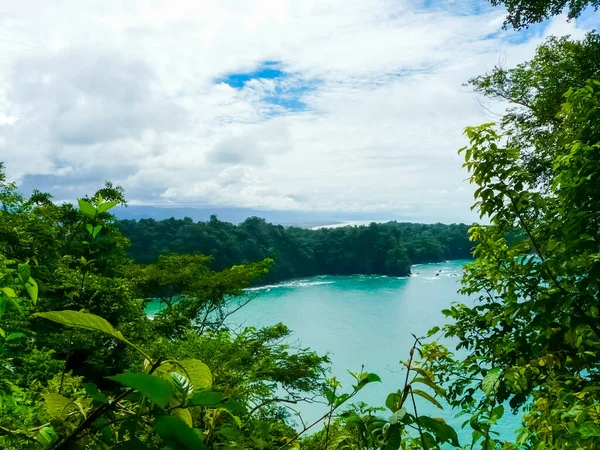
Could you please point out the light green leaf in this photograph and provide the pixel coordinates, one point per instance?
(86, 208)
(2, 333)
(490, 382)
(183, 414)
(106, 206)
(96, 230)
(198, 373)
(46, 436)
(13, 336)
(8, 292)
(155, 388)
(90, 228)
(77, 319)
(57, 405)
(32, 289)
(177, 434)
(427, 397)
(398, 416)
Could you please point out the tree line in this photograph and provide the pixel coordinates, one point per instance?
(379, 248)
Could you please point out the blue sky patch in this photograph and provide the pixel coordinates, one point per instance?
(268, 70)
(289, 88)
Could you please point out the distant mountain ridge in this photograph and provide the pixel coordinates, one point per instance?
(305, 219)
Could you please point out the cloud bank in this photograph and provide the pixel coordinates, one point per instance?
(317, 105)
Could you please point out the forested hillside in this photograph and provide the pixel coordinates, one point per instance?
(386, 248)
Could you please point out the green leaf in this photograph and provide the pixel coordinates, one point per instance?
(427, 397)
(589, 429)
(94, 393)
(429, 383)
(497, 413)
(13, 336)
(57, 405)
(2, 333)
(433, 331)
(155, 388)
(393, 400)
(77, 319)
(24, 272)
(96, 230)
(440, 429)
(176, 434)
(490, 382)
(183, 414)
(198, 373)
(205, 398)
(106, 206)
(398, 416)
(32, 289)
(182, 384)
(86, 208)
(47, 436)
(90, 228)
(2, 306)
(230, 433)
(8, 292)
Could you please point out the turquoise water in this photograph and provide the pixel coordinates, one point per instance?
(364, 320)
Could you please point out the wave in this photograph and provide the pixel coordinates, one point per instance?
(290, 284)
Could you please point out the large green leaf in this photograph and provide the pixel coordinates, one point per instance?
(205, 398)
(86, 321)
(106, 206)
(86, 208)
(176, 434)
(440, 429)
(57, 405)
(155, 388)
(198, 373)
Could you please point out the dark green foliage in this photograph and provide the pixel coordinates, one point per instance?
(81, 366)
(386, 249)
(522, 13)
(535, 91)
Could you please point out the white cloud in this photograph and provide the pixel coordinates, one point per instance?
(128, 91)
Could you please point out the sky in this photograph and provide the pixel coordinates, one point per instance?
(299, 105)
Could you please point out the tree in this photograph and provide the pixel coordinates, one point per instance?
(533, 335)
(535, 92)
(522, 13)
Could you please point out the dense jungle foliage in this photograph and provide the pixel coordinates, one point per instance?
(381, 249)
(81, 365)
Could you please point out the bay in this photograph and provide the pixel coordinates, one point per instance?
(365, 320)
